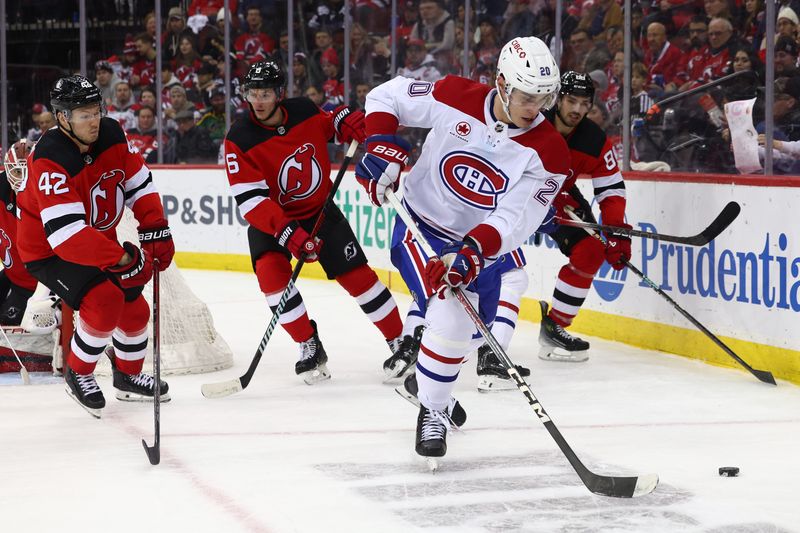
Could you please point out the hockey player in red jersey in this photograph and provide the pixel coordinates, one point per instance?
(592, 155)
(484, 182)
(277, 164)
(16, 284)
(81, 177)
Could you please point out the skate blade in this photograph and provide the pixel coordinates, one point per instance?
(495, 384)
(399, 370)
(125, 396)
(433, 464)
(401, 390)
(321, 373)
(96, 413)
(552, 353)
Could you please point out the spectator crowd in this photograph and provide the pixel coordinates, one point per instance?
(678, 45)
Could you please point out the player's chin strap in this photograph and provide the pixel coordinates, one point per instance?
(70, 132)
(504, 103)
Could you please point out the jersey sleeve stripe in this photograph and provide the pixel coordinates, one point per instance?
(62, 234)
(136, 181)
(602, 181)
(59, 210)
(147, 187)
(617, 189)
(249, 195)
(241, 188)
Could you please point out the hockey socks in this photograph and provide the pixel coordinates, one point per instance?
(375, 300)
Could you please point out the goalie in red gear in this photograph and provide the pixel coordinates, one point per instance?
(592, 155)
(82, 175)
(16, 283)
(277, 164)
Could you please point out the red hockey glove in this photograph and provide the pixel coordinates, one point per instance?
(136, 273)
(465, 263)
(157, 244)
(349, 124)
(297, 240)
(618, 249)
(381, 166)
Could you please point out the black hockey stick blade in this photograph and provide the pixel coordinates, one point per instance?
(153, 452)
(723, 220)
(761, 375)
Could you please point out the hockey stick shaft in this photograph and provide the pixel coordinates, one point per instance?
(618, 487)
(762, 375)
(226, 388)
(23, 372)
(154, 451)
(723, 220)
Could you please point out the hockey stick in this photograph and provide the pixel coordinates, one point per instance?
(762, 375)
(614, 486)
(23, 372)
(723, 220)
(232, 386)
(154, 451)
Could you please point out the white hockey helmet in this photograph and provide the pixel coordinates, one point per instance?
(527, 65)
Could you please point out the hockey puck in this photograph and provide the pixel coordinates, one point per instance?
(729, 471)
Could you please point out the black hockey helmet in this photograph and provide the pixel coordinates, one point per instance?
(71, 92)
(577, 84)
(265, 75)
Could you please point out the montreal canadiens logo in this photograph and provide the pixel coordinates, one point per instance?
(5, 249)
(300, 175)
(473, 179)
(108, 200)
(463, 128)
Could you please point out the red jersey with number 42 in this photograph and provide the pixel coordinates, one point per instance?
(71, 202)
(281, 173)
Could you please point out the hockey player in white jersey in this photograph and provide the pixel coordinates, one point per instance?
(487, 174)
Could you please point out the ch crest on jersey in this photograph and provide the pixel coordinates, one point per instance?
(108, 199)
(473, 180)
(5, 249)
(300, 175)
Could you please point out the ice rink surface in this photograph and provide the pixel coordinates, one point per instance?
(282, 456)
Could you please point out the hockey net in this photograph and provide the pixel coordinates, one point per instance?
(189, 342)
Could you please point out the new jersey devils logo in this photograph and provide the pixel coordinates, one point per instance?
(5, 249)
(473, 179)
(108, 200)
(300, 175)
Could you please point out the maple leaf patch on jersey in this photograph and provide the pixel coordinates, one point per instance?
(300, 175)
(5, 249)
(108, 199)
(472, 179)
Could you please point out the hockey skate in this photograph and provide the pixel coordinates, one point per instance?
(404, 355)
(311, 366)
(432, 429)
(409, 389)
(85, 391)
(492, 375)
(557, 344)
(137, 387)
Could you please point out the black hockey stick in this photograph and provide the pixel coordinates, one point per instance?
(614, 486)
(762, 375)
(723, 220)
(154, 451)
(232, 386)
